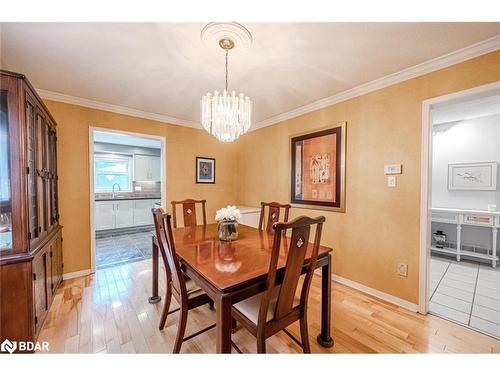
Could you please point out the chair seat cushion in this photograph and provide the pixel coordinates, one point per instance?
(250, 306)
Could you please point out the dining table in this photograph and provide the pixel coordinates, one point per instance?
(231, 271)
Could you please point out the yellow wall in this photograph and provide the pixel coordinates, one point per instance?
(182, 146)
(380, 227)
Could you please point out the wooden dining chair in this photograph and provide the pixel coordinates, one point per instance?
(189, 211)
(271, 311)
(187, 294)
(273, 215)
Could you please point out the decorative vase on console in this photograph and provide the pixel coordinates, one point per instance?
(228, 223)
(440, 238)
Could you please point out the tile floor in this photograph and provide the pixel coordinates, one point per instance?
(123, 248)
(466, 292)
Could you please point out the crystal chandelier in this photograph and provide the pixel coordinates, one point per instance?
(226, 115)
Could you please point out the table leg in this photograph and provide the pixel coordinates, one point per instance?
(224, 324)
(155, 298)
(324, 338)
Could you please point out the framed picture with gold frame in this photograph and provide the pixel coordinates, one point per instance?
(317, 175)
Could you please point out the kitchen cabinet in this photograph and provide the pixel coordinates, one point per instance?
(147, 168)
(142, 211)
(104, 215)
(155, 168)
(124, 214)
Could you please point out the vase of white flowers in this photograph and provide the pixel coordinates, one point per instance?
(227, 218)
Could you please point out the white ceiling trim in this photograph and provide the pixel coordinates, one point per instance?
(51, 95)
(481, 48)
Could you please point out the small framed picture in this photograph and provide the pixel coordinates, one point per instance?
(205, 170)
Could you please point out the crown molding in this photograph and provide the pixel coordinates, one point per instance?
(474, 50)
(51, 95)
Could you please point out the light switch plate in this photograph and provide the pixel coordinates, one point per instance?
(391, 181)
(392, 169)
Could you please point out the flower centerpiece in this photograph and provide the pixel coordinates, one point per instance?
(228, 217)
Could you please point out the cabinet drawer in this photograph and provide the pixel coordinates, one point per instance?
(444, 217)
(475, 219)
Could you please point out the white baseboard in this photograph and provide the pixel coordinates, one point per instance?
(72, 275)
(377, 293)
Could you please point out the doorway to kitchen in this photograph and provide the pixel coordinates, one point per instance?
(127, 173)
(460, 250)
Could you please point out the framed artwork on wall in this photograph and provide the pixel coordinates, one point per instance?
(317, 162)
(205, 170)
(472, 176)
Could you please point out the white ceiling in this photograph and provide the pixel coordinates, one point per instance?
(125, 139)
(164, 68)
(466, 110)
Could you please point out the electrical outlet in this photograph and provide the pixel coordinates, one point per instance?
(391, 181)
(403, 269)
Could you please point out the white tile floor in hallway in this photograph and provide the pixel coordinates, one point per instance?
(466, 292)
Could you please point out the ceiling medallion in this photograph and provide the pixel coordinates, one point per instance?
(214, 32)
(226, 115)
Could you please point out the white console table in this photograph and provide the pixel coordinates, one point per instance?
(249, 215)
(459, 218)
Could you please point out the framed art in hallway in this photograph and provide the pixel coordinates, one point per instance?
(205, 170)
(472, 176)
(318, 169)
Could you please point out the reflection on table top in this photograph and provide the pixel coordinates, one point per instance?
(226, 264)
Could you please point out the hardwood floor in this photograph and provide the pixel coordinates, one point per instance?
(109, 313)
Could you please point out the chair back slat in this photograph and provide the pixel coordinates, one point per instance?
(294, 263)
(273, 216)
(189, 212)
(166, 244)
(298, 245)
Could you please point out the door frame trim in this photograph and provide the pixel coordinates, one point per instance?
(426, 178)
(163, 172)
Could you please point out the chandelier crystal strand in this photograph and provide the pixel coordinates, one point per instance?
(226, 115)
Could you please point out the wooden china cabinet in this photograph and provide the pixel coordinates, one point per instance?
(30, 234)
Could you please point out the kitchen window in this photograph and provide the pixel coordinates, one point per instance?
(112, 169)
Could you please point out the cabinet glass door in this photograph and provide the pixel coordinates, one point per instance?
(5, 177)
(32, 178)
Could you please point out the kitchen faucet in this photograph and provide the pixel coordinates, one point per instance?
(113, 188)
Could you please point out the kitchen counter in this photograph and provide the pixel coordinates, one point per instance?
(124, 198)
